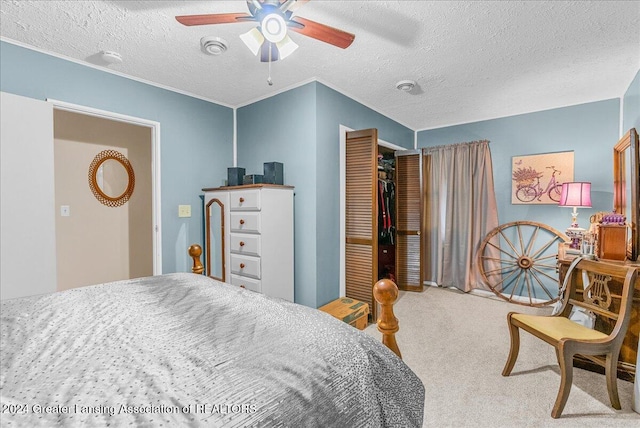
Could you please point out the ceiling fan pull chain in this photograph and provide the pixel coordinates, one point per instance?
(269, 81)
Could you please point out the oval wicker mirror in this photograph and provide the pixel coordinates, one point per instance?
(111, 178)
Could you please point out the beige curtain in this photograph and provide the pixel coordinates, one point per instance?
(461, 210)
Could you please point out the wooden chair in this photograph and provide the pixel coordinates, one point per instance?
(570, 338)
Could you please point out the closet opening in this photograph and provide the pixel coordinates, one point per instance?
(369, 172)
(386, 196)
(372, 239)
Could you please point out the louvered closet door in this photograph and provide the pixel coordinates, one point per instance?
(409, 205)
(361, 246)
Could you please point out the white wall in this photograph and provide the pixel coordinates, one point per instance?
(27, 226)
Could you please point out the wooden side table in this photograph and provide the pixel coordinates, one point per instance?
(629, 350)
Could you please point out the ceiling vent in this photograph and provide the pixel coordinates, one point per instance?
(405, 85)
(213, 45)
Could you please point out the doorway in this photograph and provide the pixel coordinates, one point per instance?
(383, 147)
(98, 242)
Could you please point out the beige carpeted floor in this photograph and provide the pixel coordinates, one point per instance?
(458, 343)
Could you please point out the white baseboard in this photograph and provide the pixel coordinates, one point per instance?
(489, 294)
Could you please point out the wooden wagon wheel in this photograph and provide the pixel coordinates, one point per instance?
(517, 261)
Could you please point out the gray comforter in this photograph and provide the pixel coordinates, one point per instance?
(183, 349)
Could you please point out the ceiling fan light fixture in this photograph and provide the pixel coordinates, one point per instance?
(274, 18)
(213, 45)
(253, 39)
(406, 85)
(286, 47)
(274, 28)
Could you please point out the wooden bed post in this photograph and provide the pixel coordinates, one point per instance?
(385, 292)
(195, 251)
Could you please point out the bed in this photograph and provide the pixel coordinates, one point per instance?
(184, 349)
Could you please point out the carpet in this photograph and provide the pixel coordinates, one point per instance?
(458, 343)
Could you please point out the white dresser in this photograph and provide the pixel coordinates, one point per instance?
(258, 237)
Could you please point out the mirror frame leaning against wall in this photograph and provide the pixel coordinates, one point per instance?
(209, 227)
(626, 180)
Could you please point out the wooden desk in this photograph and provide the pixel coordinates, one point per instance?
(629, 350)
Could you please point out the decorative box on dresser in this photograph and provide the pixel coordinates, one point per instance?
(258, 237)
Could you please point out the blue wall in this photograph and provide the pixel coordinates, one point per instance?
(631, 106)
(335, 109)
(300, 128)
(590, 130)
(196, 136)
(283, 129)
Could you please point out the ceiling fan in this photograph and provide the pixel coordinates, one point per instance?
(274, 17)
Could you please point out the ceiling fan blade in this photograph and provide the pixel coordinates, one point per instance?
(322, 32)
(216, 18)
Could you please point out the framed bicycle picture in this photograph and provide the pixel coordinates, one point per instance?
(537, 179)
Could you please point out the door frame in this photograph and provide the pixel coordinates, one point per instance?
(155, 165)
(342, 130)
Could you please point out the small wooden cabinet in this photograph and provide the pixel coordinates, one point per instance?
(611, 242)
(629, 350)
(258, 237)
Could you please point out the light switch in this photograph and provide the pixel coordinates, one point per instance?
(65, 211)
(184, 210)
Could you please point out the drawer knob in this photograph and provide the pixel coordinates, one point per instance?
(241, 200)
(242, 243)
(241, 221)
(241, 265)
(242, 286)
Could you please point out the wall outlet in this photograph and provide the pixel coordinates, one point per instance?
(65, 211)
(184, 210)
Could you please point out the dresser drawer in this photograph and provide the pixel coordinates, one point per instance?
(245, 222)
(245, 200)
(248, 283)
(243, 243)
(245, 265)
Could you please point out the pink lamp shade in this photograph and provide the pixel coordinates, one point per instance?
(576, 194)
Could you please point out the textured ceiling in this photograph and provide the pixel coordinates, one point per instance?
(472, 60)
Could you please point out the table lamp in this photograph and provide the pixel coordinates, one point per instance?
(575, 195)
